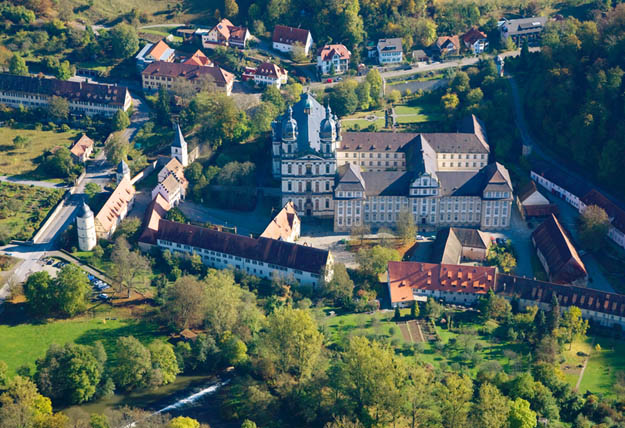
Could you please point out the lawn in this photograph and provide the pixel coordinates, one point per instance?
(23, 344)
(23, 208)
(339, 328)
(22, 161)
(603, 366)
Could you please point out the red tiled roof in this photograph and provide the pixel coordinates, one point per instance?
(541, 210)
(616, 214)
(223, 28)
(158, 50)
(81, 146)
(198, 58)
(565, 265)
(156, 211)
(328, 51)
(189, 71)
(443, 41)
(266, 250)
(472, 36)
(404, 277)
(289, 35)
(281, 226)
(119, 200)
(271, 70)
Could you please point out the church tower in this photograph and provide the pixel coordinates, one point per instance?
(179, 147)
(328, 133)
(122, 172)
(85, 225)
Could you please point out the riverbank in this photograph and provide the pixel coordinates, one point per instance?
(192, 396)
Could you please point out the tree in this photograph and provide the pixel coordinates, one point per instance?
(61, 164)
(20, 141)
(69, 374)
(39, 293)
(298, 52)
(58, 108)
(432, 309)
(450, 102)
(491, 408)
(185, 303)
(164, 361)
(594, 226)
(97, 420)
(374, 261)
(454, 395)
(21, 405)
(116, 148)
(92, 189)
(130, 268)
(262, 117)
(120, 120)
(494, 307)
(553, 316)
(72, 290)
(406, 227)
(290, 343)
(4, 374)
(475, 96)
(293, 92)
(363, 93)
(162, 107)
(394, 96)
(124, 40)
(341, 287)
(231, 8)
(414, 310)
(248, 424)
(17, 65)
(374, 78)
(183, 422)
(425, 32)
(369, 375)
(133, 364)
(65, 295)
(221, 121)
(343, 98)
(573, 324)
(521, 416)
(272, 95)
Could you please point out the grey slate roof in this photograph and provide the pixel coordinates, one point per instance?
(122, 168)
(178, 137)
(387, 183)
(493, 177)
(455, 143)
(450, 241)
(390, 45)
(350, 178)
(308, 125)
(524, 26)
(84, 210)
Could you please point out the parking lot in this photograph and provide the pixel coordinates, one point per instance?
(100, 288)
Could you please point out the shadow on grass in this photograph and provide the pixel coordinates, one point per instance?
(143, 331)
(14, 314)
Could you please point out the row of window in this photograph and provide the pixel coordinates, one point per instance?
(307, 187)
(371, 155)
(309, 169)
(466, 165)
(462, 156)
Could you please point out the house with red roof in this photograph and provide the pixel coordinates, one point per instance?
(155, 52)
(226, 34)
(166, 74)
(198, 58)
(270, 74)
(448, 45)
(333, 59)
(81, 150)
(285, 38)
(475, 40)
(285, 226)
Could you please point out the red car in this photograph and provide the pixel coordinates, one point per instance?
(329, 81)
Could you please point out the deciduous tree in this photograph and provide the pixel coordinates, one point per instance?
(406, 226)
(17, 65)
(594, 226)
(454, 396)
(521, 416)
(58, 108)
(133, 364)
(124, 40)
(120, 120)
(491, 408)
(186, 303)
(341, 287)
(164, 361)
(374, 261)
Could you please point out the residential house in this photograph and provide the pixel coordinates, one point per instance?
(559, 182)
(475, 40)
(270, 74)
(390, 51)
(525, 30)
(155, 52)
(83, 98)
(333, 59)
(410, 281)
(285, 38)
(226, 34)
(614, 212)
(115, 209)
(557, 253)
(166, 74)
(81, 150)
(198, 58)
(456, 244)
(448, 45)
(532, 203)
(285, 226)
(261, 257)
(419, 55)
(414, 281)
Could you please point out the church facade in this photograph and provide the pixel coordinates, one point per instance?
(368, 178)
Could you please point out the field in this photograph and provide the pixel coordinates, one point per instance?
(24, 343)
(100, 12)
(23, 208)
(23, 161)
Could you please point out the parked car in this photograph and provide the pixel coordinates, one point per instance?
(338, 79)
(329, 81)
(420, 238)
(103, 296)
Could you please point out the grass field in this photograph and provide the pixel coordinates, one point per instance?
(379, 325)
(22, 161)
(24, 343)
(23, 208)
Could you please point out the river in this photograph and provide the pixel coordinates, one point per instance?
(192, 396)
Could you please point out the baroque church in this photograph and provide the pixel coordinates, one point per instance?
(356, 178)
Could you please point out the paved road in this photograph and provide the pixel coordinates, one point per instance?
(140, 116)
(17, 180)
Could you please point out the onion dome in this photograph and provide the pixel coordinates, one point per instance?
(327, 128)
(289, 127)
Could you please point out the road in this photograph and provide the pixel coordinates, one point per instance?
(37, 183)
